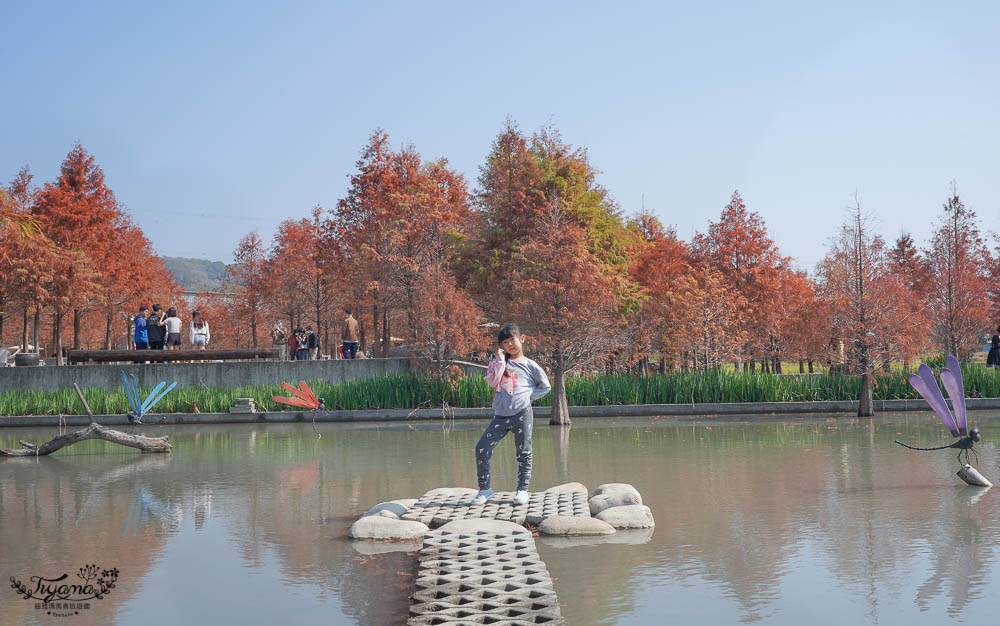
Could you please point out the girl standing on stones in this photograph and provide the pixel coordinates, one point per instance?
(517, 381)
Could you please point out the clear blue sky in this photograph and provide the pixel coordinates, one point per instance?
(214, 119)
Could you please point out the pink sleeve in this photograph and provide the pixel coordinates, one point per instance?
(494, 373)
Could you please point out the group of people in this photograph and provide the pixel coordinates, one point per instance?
(303, 344)
(159, 331)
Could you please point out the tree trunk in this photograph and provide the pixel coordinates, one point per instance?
(76, 329)
(777, 365)
(107, 332)
(753, 365)
(375, 348)
(57, 337)
(253, 330)
(865, 405)
(35, 328)
(802, 366)
(386, 334)
(24, 330)
(810, 366)
(560, 407)
(663, 365)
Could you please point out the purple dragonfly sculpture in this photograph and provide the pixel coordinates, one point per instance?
(926, 386)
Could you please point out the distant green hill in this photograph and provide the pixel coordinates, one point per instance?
(196, 274)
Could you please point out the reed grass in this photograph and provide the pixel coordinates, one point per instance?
(410, 392)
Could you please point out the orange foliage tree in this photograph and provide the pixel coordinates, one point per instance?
(960, 262)
(395, 234)
(739, 248)
(246, 280)
(855, 280)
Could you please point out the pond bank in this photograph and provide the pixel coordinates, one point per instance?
(388, 415)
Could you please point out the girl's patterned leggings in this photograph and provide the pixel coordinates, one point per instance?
(520, 424)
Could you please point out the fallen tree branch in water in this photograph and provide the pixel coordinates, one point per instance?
(93, 431)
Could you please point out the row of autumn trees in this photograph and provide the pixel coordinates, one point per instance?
(422, 258)
(72, 261)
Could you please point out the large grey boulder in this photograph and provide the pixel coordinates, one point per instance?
(610, 499)
(378, 527)
(569, 488)
(393, 508)
(617, 488)
(630, 516)
(571, 525)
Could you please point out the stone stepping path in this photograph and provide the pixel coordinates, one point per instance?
(482, 572)
(439, 507)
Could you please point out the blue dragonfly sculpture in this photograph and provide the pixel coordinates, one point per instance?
(141, 408)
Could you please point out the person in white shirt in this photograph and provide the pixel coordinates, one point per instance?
(200, 334)
(173, 324)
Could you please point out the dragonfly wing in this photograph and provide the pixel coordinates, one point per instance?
(927, 387)
(135, 396)
(152, 403)
(147, 403)
(299, 402)
(309, 392)
(128, 393)
(295, 391)
(951, 376)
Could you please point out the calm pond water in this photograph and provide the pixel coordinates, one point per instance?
(790, 521)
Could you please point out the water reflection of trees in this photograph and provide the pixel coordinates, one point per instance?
(734, 506)
(60, 513)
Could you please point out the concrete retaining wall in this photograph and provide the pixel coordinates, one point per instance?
(541, 412)
(225, 374)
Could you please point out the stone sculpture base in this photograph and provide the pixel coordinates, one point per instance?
(972, 476)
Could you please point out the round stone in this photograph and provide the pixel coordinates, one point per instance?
(378, 527)
(611, 499)
(631, 516)
(617, 488)
(569, 488)
(567, 525)
(394, 507)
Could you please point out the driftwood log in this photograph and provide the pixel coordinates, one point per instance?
(92, 431)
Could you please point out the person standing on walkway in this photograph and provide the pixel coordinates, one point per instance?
(312, 342)
(141, 336)
(301, 345)
(155, 330)
(200, 333)
(993, 358)
(517, 381)
(350, 335)
(279, 339)
(173, 326)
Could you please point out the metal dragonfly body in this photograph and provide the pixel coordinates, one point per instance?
(926, 386)
(138, 409)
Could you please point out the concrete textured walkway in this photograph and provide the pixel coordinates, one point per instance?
(438, 507)
(482, 572)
